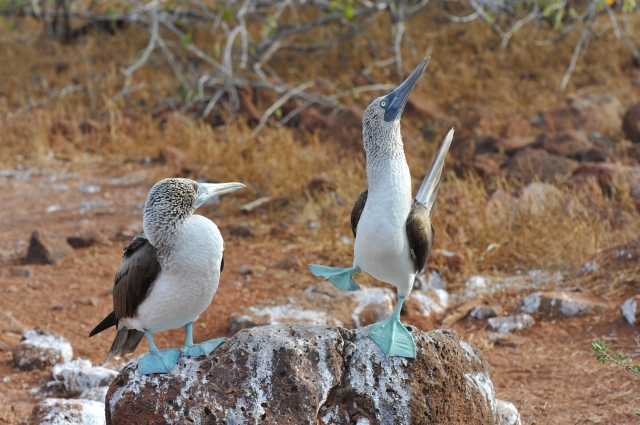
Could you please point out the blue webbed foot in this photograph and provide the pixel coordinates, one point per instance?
(202, 349)
(341, 278)
(158, 361)
(392, 337)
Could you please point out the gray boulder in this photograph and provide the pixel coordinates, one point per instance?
(294, 374)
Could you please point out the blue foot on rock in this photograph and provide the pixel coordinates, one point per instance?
(341, 278)
(203, 349)
(392, 337)
(159, 361)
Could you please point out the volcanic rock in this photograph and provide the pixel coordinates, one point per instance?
(39, 349)
(631, 123)
(529, 164)
(60, 411)
(293, 374)
(509, 324)
(561, 304)
(322, 304)
(79, 375)
(630, 310)
(432, 304)
(46, 248)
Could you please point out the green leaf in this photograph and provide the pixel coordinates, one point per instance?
(490, 19)
(186, 40)
(557, 18)
(278, 113)
(333, 6)
(217, 50)
(355, 93)
(272, 23)
(572, 13)
(251, 49)
(226, 14)
(184, 94)
(347, 13)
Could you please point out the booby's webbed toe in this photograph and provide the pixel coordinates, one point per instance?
(159, 361)
(202, 349)
(392, 337)
(341, 278)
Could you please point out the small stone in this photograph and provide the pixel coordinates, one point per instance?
(21, 272)
(79, 375)
(241, 232)
(96, 394)
(8, 323)
(506, 413)
(477, 284)
(510, 324)
(90, 189)
(45, 248)
(482, 312)
(82, 241)
(530, 164)
(630, 311)
(505, 340)
(631, 123)
(432, 304)
(92, 301)
(427, 281)
(561, 304)
(59, 411)
(244, 270)
(39, 349)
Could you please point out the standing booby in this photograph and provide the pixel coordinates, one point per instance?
(169, 274)
(394, 235)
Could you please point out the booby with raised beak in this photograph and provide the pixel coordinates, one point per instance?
(169, 274)
(393, 232)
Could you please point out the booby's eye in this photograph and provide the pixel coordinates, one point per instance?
(383, 103)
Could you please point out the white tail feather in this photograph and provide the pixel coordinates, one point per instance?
(431, 183)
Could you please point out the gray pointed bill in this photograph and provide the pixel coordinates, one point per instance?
(207, 191)
(397, 99)
(429, 188)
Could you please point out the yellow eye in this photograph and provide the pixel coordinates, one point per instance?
(383, 103)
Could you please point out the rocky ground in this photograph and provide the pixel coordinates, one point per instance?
(534, 328)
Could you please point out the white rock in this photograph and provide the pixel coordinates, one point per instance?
(506, 413)
(59, 411)
(39, 349)
(511, 323)
(95, 394)
(431, 303)
(79, 375)
(629, 310)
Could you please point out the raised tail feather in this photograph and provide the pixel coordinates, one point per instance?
(429, 188)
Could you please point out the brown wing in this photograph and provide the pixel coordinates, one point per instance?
(138, 271)
(356, 212)
(420, 234)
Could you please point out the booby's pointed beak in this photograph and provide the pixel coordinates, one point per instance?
(207, 191)
(398, 98)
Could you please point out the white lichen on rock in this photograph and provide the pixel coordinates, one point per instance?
(79, 375)
(58, 411)
(368, 297)
(507, 414)
(40, 349)
(629, 309)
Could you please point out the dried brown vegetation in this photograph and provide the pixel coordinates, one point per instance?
(94, 126)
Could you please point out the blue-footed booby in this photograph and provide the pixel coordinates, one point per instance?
(393, 232)
(169, 274)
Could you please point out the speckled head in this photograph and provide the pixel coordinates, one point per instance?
(172, 201)
(381, 120)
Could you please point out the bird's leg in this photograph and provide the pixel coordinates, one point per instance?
(157, 361)
(196, 350)
(341, 278)
(392, 337)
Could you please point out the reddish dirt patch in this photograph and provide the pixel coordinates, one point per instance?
(549, 376)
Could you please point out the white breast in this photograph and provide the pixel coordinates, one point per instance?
(382, 246)
(188, 280)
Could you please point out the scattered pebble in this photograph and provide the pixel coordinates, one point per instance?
(482, 312)
(79, 375)
(89, 189)
(40, 349)
(511, 323)
(244, 269)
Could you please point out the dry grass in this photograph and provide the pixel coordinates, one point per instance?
(466, 69)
